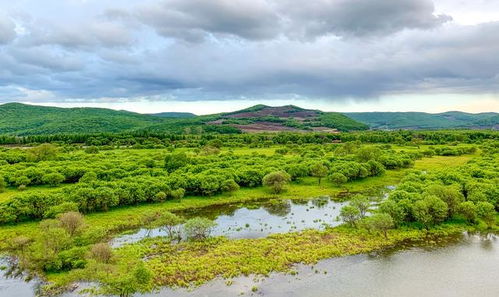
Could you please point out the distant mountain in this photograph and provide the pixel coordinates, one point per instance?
(261, 118)
(421, 120)
(173, 115)
(21, 119)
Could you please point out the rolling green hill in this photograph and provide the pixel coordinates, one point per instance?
(421, 120)
(21, 119)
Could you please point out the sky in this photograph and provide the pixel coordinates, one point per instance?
(207, 56)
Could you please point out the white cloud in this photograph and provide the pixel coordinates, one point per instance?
(7, 29)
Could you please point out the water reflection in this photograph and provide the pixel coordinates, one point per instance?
(258, 219)
(13, 282)
(279, 208)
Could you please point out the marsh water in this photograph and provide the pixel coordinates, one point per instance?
(466, 265)
(258, 219)
(462, 266)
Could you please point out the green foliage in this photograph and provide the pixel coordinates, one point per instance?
(350, 214)
(174, 115)
(198, 228)
(297, 171)
(123, 176)
(160, 196)
(175, 161)
(88, 177)
(451, 195)
(92, 150)
(168, 222)
(367, 153)
(381, 222)
(362, 203)
(338, 178)
(276, 181)
(20, 119)
(53, 179)
(177, 193)
(119, 176)
(468, 211)
(43, 152)
(23, 119)
(421, 120)
(339, 121)
(486, 212)
(229, 185)
(3, 184)
(318, 170)
(21, 181)
(217, 143)
(423, 197)
(55, 210)
(395, 210)
(430, 211)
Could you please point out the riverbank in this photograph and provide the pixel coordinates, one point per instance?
(189, 264)
(463, 266)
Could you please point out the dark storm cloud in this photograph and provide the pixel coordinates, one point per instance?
(327, 49)
(361, 17)
(194, 20)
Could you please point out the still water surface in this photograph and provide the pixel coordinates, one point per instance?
(461, 267)
(465, 267)
(259, 219)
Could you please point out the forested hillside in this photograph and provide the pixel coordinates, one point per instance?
(421, 120)
(21, 119)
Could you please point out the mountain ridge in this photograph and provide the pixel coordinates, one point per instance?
(422, 120)
(24, 119)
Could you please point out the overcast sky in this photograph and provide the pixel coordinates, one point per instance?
(209, 56)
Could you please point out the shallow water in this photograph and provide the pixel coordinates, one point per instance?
(258, 219)
(459, 267)
(462, 268)
(14, 287)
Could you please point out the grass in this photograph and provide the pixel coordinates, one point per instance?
(442, 162)
(194, 263)
(7, 194)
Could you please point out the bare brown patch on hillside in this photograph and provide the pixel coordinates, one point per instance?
(265, 127)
